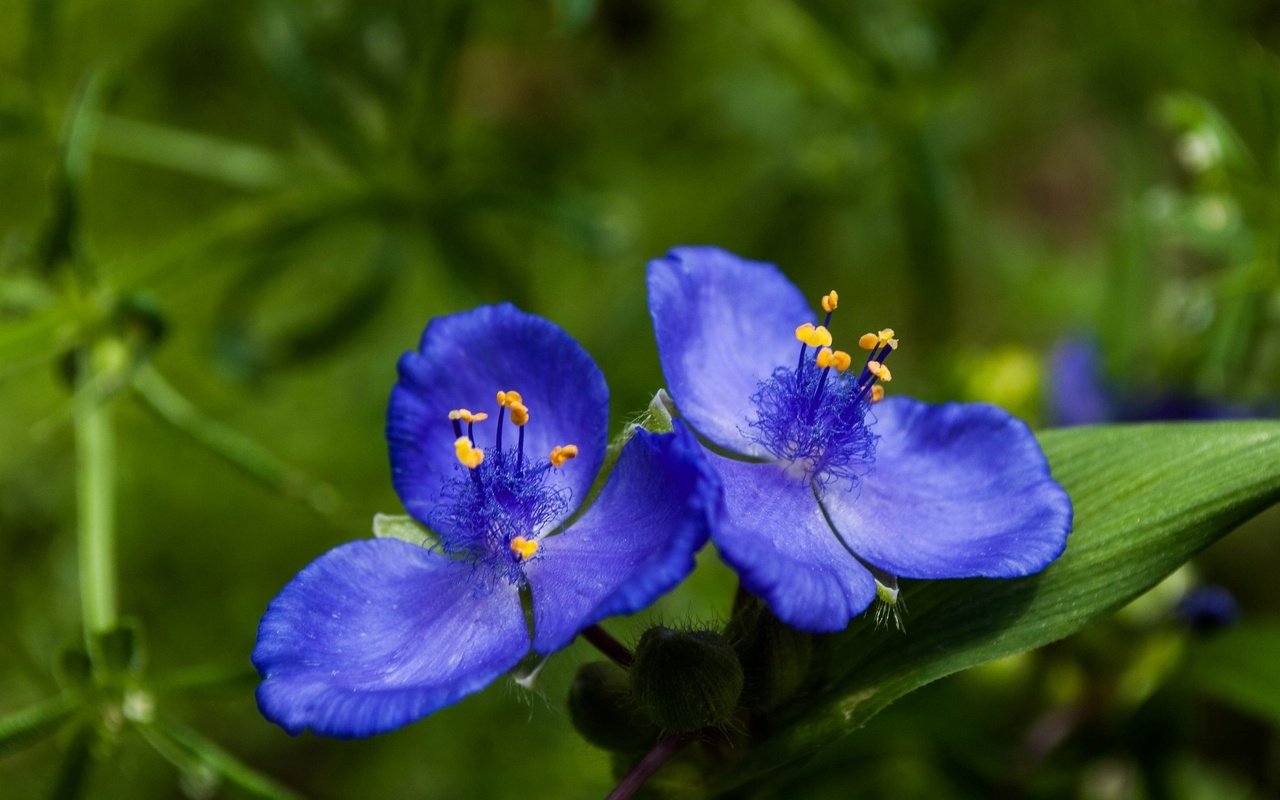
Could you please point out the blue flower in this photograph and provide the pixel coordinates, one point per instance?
(1207, 608)
(1080, 394)
(376, 634)
(826, 489)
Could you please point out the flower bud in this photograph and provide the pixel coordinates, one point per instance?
(686, 680)
(775, 657)
(605, 712)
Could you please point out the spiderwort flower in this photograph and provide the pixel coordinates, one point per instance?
(1080, 394)
(376, 634)
(830, 495)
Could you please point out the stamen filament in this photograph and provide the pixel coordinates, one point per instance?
(520, 451)
(817, 394)
(502, 413)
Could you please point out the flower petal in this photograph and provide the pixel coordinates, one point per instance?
(957, 491)
(463, 361)
(723, 325)
(635, 542)
(773, 533)
(378, 633)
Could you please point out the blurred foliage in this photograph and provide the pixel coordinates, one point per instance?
(221, 224)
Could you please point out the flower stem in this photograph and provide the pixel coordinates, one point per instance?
(611, 647)
(95, 504)
(655, 758)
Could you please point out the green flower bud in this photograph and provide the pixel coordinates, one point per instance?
(686, 680)
(605, 712)
(775, 657)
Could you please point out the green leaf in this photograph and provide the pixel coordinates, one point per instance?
(24, 728)
(177, 743)
(404, 528)
(1147, 498)
(1238, 667)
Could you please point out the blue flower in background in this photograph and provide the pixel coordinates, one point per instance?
(376, 634)
(826, 489)
(1079, 394)
(1207, 608)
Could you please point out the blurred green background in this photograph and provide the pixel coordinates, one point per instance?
(245, 211)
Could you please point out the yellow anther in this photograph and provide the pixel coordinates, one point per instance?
(877, 393)
(814, 336)
(841, 360)
(479, 416)
(509, 398)
(468, 454)
(825, 357)
(524, 548)
(830, 300)
(466, 416)
(880, 371)
(519, 414)
(562, 453)
(885, 336)
(457, 413)
(868, 341)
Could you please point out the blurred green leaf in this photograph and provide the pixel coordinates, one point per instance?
(24, 728)
(240, 164)
(1239, 666)
(1146, 497)
(256, 461)
(174, 741)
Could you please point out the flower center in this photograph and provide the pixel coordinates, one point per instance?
(813, 418)
(497, 510)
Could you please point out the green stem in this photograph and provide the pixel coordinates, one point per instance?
(95, 501)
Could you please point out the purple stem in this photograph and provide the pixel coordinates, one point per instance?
(655, 758)
(611, 647)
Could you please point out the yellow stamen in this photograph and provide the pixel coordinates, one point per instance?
(830, 300)
(880, 371)
(825, 357)
(814, 336)
(841, 360)
(509, 398)
(468, 454)
(877, 393)
(562, 453)
(524, 548)
(868, 341)
(467, 416)
(885, 336)
(519, 414)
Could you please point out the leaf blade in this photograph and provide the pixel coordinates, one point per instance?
(1147, 498)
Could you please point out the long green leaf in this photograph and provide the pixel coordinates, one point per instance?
(221, 761)
(1147, 498)
(28, 726)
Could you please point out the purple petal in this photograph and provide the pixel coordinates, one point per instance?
(957, 491)
(463, 361)
(378, 633)
(1077, 391)
(636, 542)
(723, 325)
(773, 533)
